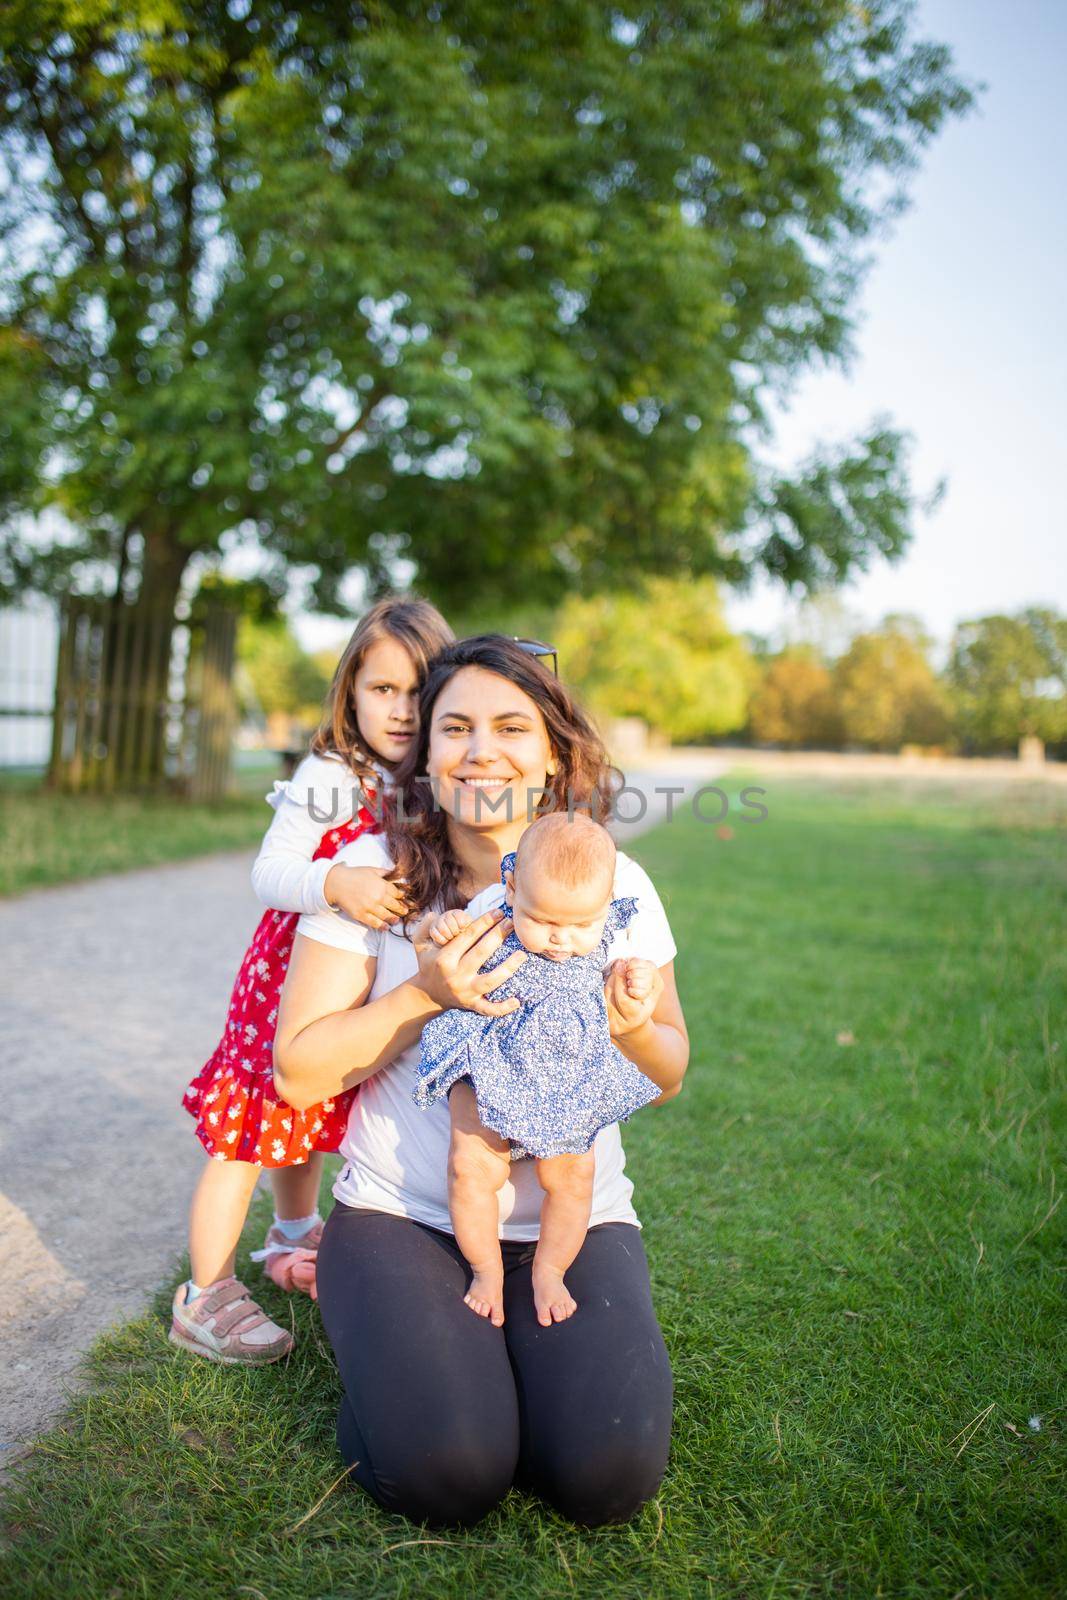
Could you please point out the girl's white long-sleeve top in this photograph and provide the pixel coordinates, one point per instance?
(323, 793)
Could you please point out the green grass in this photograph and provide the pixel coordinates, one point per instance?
(48, 838)
(857, 1258)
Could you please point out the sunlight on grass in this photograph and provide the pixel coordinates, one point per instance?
(48, 838)
(852, 1216)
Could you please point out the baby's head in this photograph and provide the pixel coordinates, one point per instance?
(561, 888)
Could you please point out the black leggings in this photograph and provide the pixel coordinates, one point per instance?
(443, 1412)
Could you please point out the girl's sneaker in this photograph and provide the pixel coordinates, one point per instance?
(291, 1263)
(225, 1324)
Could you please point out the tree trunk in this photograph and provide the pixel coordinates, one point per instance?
(163, 564)
(115, 724)
(129, 747)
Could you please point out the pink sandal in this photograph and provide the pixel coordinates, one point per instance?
(290, 1263)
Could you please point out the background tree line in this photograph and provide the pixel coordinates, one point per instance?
(1005, 680)
(664, 653)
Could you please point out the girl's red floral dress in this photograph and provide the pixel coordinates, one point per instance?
(238, 1116)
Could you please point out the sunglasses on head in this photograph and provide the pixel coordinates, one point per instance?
(535, 647)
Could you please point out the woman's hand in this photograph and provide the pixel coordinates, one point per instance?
(366, 895)
(631, 993)
(449, 974)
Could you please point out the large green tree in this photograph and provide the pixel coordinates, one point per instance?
(886, 691)
(1008, 677)
(497, 289)
(662, 652)
(794, 702)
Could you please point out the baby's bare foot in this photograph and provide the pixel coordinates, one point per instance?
(486, 1296)
(552, 1299)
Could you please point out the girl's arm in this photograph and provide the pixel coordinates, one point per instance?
(659, 1045)
(319, 796)
(330, 1037)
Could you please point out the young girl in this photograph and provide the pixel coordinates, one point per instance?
(333, 797)
(544, 1079)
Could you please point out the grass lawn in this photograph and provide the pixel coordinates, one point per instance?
(852, 1216)
(48, 838)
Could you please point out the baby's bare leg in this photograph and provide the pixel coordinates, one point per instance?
(478, 1164)
(568, 1185)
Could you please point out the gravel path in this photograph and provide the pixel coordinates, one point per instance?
(117, 992)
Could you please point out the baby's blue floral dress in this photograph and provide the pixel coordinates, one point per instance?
(547, 1076)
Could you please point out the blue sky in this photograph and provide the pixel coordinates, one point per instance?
(962, 338)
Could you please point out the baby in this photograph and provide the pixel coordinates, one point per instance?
(543, 1080)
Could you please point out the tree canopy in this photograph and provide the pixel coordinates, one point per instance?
(275, 674)
(498, 290)
(794, 704)
(1009, 679)
(662, 652)
(886, 690)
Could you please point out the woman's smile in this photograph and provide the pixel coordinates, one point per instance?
(479, 722)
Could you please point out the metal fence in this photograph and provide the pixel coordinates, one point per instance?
(142, 702)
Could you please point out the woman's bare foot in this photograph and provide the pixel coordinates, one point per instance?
(552, 1299)
(486, 1295)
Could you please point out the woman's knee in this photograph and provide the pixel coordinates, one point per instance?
(449, 1483)
(605, 1485)
(451, 1487)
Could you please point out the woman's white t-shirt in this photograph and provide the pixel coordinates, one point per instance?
(395, 1154)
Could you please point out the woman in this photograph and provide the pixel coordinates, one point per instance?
(442, 1411)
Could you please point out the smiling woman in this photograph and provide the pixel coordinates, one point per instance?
(505, 739)
(501, 748)
(442, 1409)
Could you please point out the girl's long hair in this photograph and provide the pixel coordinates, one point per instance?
(413, 623)
(416, 829)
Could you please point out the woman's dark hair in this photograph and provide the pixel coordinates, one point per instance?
(416, 829)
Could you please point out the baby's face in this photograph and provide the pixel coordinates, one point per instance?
(556, 922)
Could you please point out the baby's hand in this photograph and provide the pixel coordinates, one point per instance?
(445, 927)
(366, 895)
(628, 1011)
(640, 978)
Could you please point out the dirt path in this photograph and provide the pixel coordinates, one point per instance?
(117, 992)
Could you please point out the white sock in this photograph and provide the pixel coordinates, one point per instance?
(295, 1227)
(193, 1291)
